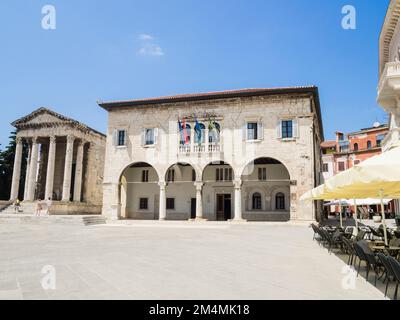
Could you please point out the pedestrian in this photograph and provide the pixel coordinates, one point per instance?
(49, 203)
(17, 206)
(39, 208)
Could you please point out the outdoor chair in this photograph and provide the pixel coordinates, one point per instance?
(316, 230)
(360, 236)
(348, 246)
(388, 271)
(371, 260)
(376, 233)
(396, 271)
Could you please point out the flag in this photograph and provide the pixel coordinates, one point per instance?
(181, 131)
(186, 137)
(197, 130)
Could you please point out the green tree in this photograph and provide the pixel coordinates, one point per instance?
(7, 166)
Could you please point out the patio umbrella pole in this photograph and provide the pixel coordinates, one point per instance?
(383, 217)
(340, 213)
(356, 213)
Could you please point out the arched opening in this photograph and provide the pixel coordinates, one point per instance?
(181, 192)
(218, 191)
(139, 192)
(266, 190)
(369, 144)
(355, 147)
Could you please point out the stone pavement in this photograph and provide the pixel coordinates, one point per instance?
(170, 261)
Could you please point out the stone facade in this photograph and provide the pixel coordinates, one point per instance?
(389, 76)
(243, 169)
(65, 163)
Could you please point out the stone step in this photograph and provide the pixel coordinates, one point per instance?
(94, 220)
(52, 219)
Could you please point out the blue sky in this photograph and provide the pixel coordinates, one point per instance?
(124, 49)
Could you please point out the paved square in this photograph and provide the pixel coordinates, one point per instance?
(171, 261)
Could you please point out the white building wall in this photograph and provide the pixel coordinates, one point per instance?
(232, 114)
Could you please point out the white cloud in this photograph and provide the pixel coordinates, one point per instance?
(151, 50)
(146, 37)
(149, 47)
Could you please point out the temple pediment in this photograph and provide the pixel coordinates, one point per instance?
(44, 117)
(41, 116)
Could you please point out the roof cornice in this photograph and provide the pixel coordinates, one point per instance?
(387, 32)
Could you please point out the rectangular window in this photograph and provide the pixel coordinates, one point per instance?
(145, 176)
(121, 138)
(252, 131)
(149, 137)
(144, 204)
(219, 174)
(341, 166)
(262, 174)
(356, 162)
(171, 175)
(170, 203)
(325, 167)
(287, 129)
(228, 174)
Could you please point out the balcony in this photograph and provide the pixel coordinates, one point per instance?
(200, 148)
(389, 87)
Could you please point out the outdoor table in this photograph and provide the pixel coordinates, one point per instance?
(393, 251)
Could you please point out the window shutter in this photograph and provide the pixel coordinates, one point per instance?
(125, 137)
(244, 132)
(143, 137)
(155, 135)
(295, 128)
(115, 137)
(260, 130)
(279, 129)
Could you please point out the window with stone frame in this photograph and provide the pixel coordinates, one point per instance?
(262, 174)
(170, 203)
(257, 201)
(145, 175)
(280, 201)
(171, 175)
(144, 204)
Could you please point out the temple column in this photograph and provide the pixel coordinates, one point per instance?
(33, 170)
(199, 200)
(68, 169)
(17, 170)
(238, 200)
(79, 172)
(163, 201)
(28, 163)
(50, 168)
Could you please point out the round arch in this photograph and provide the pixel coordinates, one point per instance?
(265, 160)
(138, 191)
(267, 177)
(219, 163)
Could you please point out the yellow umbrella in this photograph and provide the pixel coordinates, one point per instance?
(376, 177)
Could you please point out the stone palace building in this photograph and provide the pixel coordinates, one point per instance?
(234, 155)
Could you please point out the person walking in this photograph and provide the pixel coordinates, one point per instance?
(49, 203)
(39, 208)
(17, 206)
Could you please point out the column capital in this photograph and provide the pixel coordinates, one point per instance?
(81, 143)
(70, 138)
(19, 140)
(34, 140)
(53, 139)
(199, 185)
(238, 184)
(162, 184)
